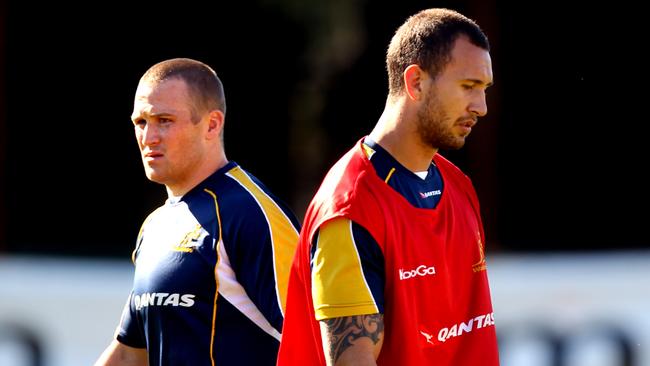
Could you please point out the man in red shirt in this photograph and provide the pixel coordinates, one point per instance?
(390, 269)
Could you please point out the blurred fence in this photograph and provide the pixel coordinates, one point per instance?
(580, 309)
(550, 310)
(56, 312)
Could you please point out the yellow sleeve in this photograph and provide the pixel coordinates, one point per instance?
(339, 287)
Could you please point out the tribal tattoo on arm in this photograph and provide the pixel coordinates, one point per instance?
(344, 332)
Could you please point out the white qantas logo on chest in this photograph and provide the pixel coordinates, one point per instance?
(162, 299)
(430, 193)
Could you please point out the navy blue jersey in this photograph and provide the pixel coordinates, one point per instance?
(354, 285)
(211, 273)
(421, 193)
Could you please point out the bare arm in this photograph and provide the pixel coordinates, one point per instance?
(352, 340)
(118, 354)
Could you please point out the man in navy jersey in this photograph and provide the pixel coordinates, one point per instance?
(390, 269)
(212, 263)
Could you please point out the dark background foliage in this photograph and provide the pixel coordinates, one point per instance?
(559, 162)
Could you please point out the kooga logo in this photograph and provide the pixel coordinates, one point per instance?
(421, 270)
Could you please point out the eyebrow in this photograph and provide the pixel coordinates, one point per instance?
(480, 82)
(155, 115)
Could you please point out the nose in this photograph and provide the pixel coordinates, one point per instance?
(149, 135)
(478, 106)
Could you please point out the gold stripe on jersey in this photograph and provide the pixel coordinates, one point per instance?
(390, 174)
(284, 236)
(368, 150)
(216, 277)
(339, 287)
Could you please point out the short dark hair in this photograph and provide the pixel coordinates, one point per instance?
(426, 39)
(203, 84)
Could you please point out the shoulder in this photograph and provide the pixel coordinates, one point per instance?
(153, 218)
(248, 191)
(243, 199)
(343, 178)
(350, 189)
(156, 212)
(230, 185)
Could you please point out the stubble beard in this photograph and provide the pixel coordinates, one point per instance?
(434, 127)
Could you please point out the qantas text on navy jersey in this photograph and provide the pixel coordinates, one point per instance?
(430, 193)
(163, 299)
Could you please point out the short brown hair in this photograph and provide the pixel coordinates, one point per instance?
(203, 84)
(426, 39)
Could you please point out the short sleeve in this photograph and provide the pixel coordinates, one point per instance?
(347, 271)
(129, 332)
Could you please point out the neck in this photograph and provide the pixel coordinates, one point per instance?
(202, 173)
(396, 131)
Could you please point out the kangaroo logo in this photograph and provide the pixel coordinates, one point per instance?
(428, 336)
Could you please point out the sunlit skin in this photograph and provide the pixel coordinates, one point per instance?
(176, 151)
(118, 354)
(433, 114)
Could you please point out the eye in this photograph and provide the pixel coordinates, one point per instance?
(140, 122)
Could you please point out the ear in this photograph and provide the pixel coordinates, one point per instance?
(215, 124)
(414, 78)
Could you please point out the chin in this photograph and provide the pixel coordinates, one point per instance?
(456, 145)
(152, 176)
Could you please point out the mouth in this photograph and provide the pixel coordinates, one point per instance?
(466, 125)
(470, 122)
(152, 155)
